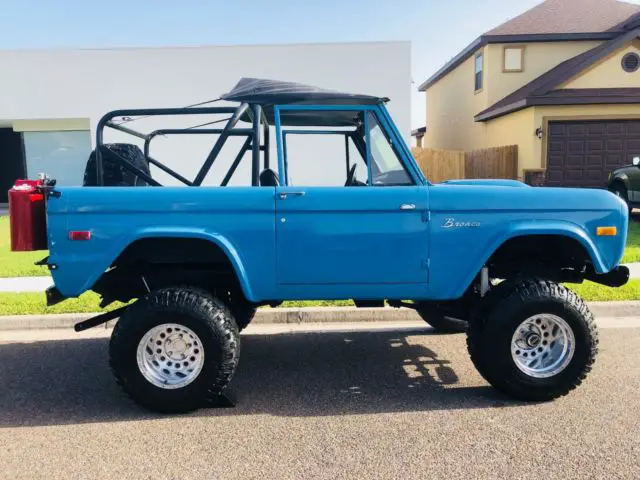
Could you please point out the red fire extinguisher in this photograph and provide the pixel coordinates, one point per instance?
(27, 216)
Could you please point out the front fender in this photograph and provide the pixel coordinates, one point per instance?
(523, 228)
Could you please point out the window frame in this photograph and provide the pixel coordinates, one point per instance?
(384, 120)
(521, 48)
(480, 55)
(392, 145)
(347, 134)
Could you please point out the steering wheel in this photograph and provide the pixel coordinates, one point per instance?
(351, 176)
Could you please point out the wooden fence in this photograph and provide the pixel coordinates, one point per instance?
(440, 165)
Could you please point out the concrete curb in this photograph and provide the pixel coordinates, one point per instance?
(297, 316)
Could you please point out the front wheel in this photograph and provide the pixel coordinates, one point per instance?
(537, 342)
(174, 349)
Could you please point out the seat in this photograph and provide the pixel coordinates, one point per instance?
(114, 174)
(269, 178)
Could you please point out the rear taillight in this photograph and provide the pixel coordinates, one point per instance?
(80, 235)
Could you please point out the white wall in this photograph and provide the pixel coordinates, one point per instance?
(85, 84)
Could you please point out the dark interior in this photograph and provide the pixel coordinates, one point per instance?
(12, 161)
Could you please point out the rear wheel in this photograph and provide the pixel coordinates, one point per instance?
(174, 349)
(538, 341)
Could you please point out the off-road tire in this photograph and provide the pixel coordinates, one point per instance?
(114, 174)
(197, 310)
(442, 324)
(489, 338)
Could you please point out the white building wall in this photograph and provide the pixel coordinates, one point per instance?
(76, 87)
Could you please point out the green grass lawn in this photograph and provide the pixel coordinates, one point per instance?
(34, 303)
(632, 252)
(17, 264)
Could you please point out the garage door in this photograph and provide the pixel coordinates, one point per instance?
(581, 154)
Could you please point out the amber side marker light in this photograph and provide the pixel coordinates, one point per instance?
(606, 231)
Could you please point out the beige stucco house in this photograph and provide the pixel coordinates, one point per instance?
(561, 81)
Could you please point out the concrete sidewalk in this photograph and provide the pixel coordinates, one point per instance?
(25, 284)
(40, 284)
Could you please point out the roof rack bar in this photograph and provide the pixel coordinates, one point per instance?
(236, 162)
(236, 132)
(215, 151)
(130, 131)
(139, 112)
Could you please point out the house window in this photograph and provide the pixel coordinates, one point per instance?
(61, 154)
(513, 59)
(478, 72)
(631, 62)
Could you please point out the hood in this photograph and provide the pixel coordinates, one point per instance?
(490, 182)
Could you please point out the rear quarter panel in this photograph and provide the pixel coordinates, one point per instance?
(240, 220)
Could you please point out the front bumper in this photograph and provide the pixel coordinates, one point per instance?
(617, 277)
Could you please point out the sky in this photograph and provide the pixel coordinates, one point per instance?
(438, 29)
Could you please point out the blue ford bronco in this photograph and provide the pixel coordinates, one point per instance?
(489, 257)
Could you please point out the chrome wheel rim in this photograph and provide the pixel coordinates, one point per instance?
(543, 345)
(170, 356)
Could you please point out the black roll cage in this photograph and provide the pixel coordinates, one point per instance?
(257, 140)
(252, 142)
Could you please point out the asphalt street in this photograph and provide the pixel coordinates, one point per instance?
(356, 401)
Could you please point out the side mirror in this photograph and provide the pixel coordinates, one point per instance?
(636, 161)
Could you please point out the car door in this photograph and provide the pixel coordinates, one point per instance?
(350, 235)
(373, 234)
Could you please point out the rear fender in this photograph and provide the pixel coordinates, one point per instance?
(170, 232)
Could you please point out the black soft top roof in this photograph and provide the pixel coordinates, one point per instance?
(273, 92)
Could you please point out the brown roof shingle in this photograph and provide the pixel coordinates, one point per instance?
(568, 16)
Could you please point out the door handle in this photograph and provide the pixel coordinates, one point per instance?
(284, 195)
(407, 206)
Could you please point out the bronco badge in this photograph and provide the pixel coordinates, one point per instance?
(452, 223)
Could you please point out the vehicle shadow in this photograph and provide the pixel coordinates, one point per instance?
(311, 374)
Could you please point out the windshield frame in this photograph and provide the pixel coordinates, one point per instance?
(386, 126)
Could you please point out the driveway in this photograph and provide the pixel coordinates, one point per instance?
(364, 403)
